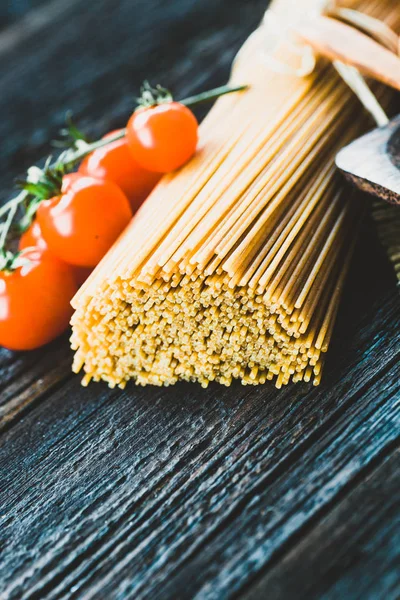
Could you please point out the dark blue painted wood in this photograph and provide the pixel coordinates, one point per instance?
(12, 10)
(184, 492)
(352, 552)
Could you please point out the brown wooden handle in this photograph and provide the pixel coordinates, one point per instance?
(338, 41)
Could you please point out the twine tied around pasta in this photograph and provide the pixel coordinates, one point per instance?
(276, 31)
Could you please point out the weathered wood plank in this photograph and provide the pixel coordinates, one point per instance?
(28, 377)
(178, 491)
(277, 508)
(353, 552)
(15, 9)
(141, 480)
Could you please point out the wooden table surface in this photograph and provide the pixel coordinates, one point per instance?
(182, 492)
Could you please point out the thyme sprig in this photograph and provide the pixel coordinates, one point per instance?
(151, 96)
(44, 183)
(9, 261)
(70, 135)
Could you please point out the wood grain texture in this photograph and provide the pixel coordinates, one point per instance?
(351, 550)
(13, 10)
(183, 492)
(160, 492)
(26, 377)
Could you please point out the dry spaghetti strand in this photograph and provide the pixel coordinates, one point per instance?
(234, 266)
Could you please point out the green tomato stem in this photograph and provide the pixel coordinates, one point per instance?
(211, 94)
(70, 157)
(17, 201)
(7, 224)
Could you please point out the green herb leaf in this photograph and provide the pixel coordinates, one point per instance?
(10, 261)
(152, 96)
(70, 135)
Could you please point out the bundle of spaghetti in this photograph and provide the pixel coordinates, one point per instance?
(234, 266)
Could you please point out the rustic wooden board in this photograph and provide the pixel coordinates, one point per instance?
(184, 492)
(12, 10)
(352, 552)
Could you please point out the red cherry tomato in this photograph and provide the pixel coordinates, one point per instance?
(35, 301)
(116, 163)
(68, 180)
(33, 238)
(82, 224)
(162, 137)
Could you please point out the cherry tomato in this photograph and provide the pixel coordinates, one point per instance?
(162, 137)
(68, 180)
(116, 163)
(35, 301)
(82, 224)
(33, 238)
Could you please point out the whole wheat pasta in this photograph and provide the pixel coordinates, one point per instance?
(234, 266)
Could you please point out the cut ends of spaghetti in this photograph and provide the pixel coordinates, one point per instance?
(234, 266)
